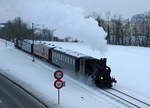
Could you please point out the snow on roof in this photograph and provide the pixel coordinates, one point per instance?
(66, 51)
(31, 41)
(49, 45)
(69, 52)
(28, 41)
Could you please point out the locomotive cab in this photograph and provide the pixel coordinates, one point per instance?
(99, 72)
(103, 74)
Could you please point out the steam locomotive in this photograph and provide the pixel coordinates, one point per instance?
(78, 63)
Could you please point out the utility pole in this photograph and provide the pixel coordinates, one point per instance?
(3, 24)
(108, 27)
(33, 40)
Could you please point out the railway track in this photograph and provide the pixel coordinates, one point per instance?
(126, 98)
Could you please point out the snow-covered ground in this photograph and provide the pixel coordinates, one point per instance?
(128, 64)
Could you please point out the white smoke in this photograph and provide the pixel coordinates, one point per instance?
(8, 10)
(65, 19)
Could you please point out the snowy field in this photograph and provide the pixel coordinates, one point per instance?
(128, 64)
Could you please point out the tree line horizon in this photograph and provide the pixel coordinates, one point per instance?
(133, 32)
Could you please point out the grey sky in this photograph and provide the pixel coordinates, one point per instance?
(55, 15)
(126, 8)
(9, 8)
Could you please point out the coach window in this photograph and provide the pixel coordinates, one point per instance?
(40, 49)
(69, 60)
(56, 55)
(73, 61)
(61, 57)
(45, 52)
(64, 58)
(37, 49)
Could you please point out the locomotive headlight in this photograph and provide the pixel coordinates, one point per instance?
(101, 78)
(107, 68)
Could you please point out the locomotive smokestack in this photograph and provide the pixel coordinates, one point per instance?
(103, 62)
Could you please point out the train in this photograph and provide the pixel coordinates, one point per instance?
(78, 63)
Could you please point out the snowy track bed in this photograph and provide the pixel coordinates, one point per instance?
(126, 98)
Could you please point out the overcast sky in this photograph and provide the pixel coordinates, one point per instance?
(55, 15)
(126, 8)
